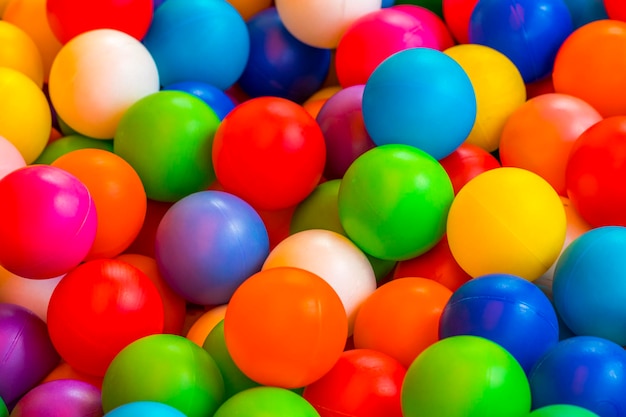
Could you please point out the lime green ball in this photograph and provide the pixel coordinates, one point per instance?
(394, 202)
(562, 410)
(70, 143)
(266, 401)
(167, 137)
(234, 380)
(465, 376)
(164, 368)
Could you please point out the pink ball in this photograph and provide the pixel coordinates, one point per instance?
(47, 222)
(10, 158)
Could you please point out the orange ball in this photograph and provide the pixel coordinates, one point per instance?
(401, 318)
(539, 135)
(65, 371)
(203, 325)
(591, 65)
(285, 327)
(118, 194)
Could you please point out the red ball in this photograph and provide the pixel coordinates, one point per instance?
(457, 14)
(362, 383)
(466, 162)
(270, 152)
(100, 307)
(68, 18)
(616, 9)
(595, 173)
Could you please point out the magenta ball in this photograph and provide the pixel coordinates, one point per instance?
(341, 121)
(26, 352)
(60, 398)
(47, 221)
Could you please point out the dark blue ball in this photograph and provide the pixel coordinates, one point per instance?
(217, 99)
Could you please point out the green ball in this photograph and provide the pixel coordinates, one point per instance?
(562, 410)
(435, 6)
(167, 137)
(465, 376)
(266, 401)
(164, 368)
(394, 202)
(234, 380)
(4, 412)
(70, 143)
(320, 211)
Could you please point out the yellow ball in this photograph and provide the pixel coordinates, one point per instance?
(19, 51)
(25, 118)
(499, 89)
(96, 77)
(506, 220)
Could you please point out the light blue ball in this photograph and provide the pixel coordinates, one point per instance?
(145, 408)
(420, 97)
(589, 285)
(198, 40)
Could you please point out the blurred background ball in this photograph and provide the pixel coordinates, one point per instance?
(97, 76)
(207, 244)
(410, 97)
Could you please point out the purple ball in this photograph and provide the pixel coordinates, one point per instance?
(341, 120)
(26, 352)
(61, 398)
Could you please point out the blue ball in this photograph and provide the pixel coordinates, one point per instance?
(586, 11)
(528, 32)
(208, 243)
(586, 371)
(505, 309)
(589, 285)
(198, 40)
(145, 408)
(279, 64)
(217, 100)
(419, 97)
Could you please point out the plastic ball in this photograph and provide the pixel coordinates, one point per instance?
(270, 152)
(31, 16)
(248, 8)
(505, 309)
(285, 327)
(615, 9)
(409, 97)
(70, 143)
(145, 408)
(437, 264)
(434, 6)
(539, 135)
(266, 401)
(401, 318)
(594, 168)
(528, 32)
(234, 380)
(174, 306)
(208, 243)
(363, 382)
(205, 323)
(97, 76)
(118, 195)
(314, 104)
(336, 260)
(322, 23)
(499, 89)
(167, 138)
(465, 376)
(215, 98)
(586, 11)
(4, 412)
(600, 45)
(69, 18)
(432, 20)
(562, 410)
(32, 294)
(66, 397)
(65, 371)
(585, 371)
(90, 317)
(393, 202)
(457, 15)
(188, 38)
(144, 242)
(10, 158)
(61, 224)
(26, 350)
(279, 64)
(374, 37)
(466, 162)
(168, 369)
(588, 288)
(26, 114)
(19, 52)
(518, 218)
